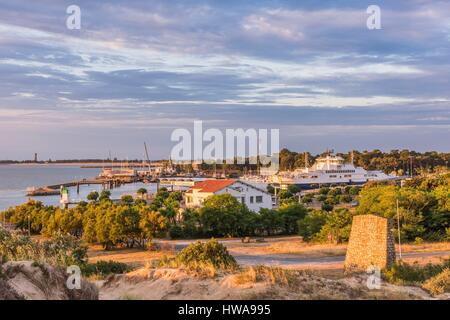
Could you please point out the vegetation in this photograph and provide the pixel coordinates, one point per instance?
(424, 212)
(424, 206)
(209, 257)
(104, 268)
(59, 251)
(438, 284)
(397, 161)
(434, 278)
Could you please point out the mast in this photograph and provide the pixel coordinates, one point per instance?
(306, 159)
(146, 154)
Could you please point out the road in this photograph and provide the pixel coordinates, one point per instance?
(293, 261)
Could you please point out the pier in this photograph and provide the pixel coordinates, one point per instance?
(110, 183)
(54, 189)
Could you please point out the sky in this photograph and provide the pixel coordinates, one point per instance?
(137, 70)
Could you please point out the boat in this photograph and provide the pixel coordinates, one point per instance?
(329, 170)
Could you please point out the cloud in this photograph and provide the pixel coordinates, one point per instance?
(160, 64)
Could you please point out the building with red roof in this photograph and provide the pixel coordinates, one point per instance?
(252, 196)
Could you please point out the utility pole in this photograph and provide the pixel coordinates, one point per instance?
(411, 166)
(398, 229)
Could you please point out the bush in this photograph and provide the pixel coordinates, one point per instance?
(311, 224)
(407, 274)
(176, 232)
(354, 191)
(345, 198)
(336, 228)
(210, 256)
(63, 250)
(104, 268)
(327, 207)
(92, 196)
(438, 284)
(335, 192)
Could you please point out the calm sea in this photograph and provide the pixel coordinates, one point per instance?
(16, 178)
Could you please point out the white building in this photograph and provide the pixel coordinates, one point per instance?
(252, 196)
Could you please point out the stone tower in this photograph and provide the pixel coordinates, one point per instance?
(371, 243)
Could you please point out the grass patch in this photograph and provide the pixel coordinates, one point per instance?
(438, 284)
(273, 275)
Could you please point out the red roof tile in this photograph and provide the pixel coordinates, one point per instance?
(213, 185)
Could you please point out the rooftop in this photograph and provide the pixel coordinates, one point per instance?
(213, 185)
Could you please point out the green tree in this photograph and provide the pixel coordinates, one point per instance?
(92, 196)
(105, 195)
(309, 226)
(337, 227)
(127, 199)
(290, 214)
(152, 224)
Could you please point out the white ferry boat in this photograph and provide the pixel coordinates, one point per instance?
(329, 170)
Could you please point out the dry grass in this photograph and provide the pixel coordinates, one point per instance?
(273, 275)
(438, 284)
(425, 247)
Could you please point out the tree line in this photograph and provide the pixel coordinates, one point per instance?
(398, 161)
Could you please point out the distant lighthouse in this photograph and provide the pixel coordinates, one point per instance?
(35, 157)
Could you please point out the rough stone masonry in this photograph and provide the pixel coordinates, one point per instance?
(371, 243)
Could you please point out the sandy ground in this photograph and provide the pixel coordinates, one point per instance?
(166, 284)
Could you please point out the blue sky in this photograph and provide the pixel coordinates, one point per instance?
(139, 69)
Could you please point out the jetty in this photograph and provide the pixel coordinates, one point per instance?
(108, 183)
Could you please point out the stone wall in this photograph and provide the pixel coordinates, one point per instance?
(371, 243)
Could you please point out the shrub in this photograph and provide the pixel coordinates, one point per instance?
(438, 284)
(354, 191)
(127, 199)
(311, 224)
(92, 196)
(336, 228)
(335, 192)
(345, 198)
(63, 250)
(407, 274)
(176, 232)
(104, 268)
(208, 257)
